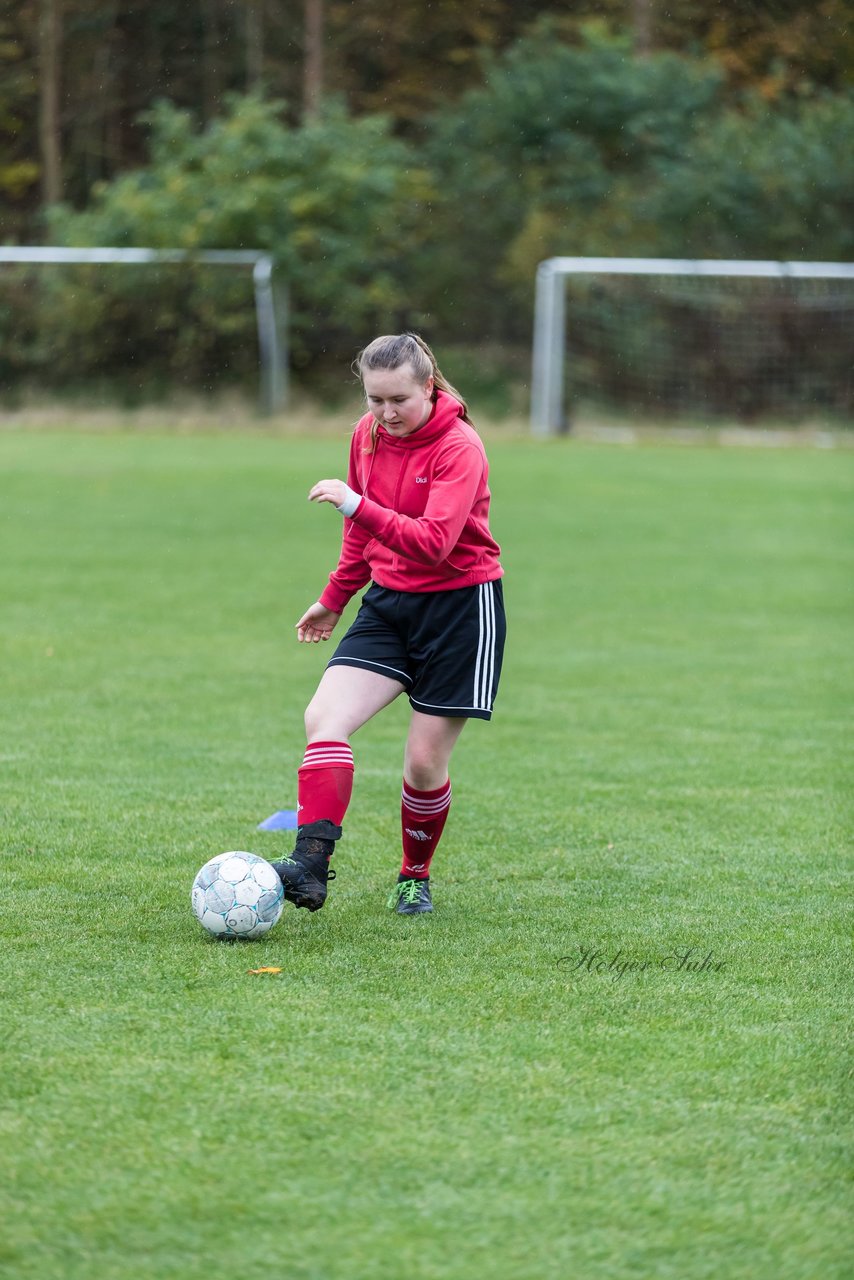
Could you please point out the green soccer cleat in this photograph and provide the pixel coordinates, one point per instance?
(410, 897)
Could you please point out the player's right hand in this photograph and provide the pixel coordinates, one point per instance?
(317, 623)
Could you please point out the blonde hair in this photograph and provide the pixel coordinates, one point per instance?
(395, 349)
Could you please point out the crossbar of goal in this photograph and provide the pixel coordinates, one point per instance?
(548, 412)
(270, 298)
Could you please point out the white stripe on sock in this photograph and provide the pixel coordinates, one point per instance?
(328, 757)
(427, 808)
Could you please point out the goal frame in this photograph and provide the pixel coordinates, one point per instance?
(548, 408)
(270, 297)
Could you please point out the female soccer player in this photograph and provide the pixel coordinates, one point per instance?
(431, 625)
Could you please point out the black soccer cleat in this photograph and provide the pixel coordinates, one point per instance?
(411, 897)
(305, 873)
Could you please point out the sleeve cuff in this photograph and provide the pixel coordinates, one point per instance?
(333, 599)
(351, 502)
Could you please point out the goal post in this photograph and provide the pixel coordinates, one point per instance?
(551, 325)
(270, 296)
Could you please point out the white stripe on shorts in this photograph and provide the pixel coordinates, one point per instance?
(485, 665)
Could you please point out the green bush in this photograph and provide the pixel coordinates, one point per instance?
(762, 183)
(335, 202)
(566, 148)
(586, 150)
(549, 157)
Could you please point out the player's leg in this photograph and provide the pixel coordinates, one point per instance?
(456, 647)
(425, 802)
(346, 698)
(429, 745)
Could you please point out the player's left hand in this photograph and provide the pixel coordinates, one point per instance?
(334, 491)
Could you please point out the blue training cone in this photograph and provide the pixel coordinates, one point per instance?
(284, 820)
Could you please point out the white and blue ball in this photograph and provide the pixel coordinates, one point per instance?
(237, 895)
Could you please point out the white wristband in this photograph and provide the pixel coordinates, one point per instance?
(350, 503)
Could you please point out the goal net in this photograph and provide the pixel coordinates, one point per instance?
(154, 314)
(660, 339)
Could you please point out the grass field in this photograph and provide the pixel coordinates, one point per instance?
(461, 1095)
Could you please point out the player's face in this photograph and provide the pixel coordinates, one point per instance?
(397, 399)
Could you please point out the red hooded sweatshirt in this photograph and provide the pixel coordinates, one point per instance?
(423, 521)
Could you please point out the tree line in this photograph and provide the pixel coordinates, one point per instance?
(77, 77)
(408, 163)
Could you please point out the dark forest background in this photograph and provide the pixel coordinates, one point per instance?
(407, 163)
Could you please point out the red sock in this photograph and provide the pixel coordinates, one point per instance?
(325, 782)
(423, 815)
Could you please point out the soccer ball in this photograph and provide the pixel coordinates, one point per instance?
(237, 895)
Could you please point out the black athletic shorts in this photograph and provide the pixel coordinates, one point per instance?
(445, 647)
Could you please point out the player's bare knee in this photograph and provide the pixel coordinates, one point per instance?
(425, 769)
(321, 724)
